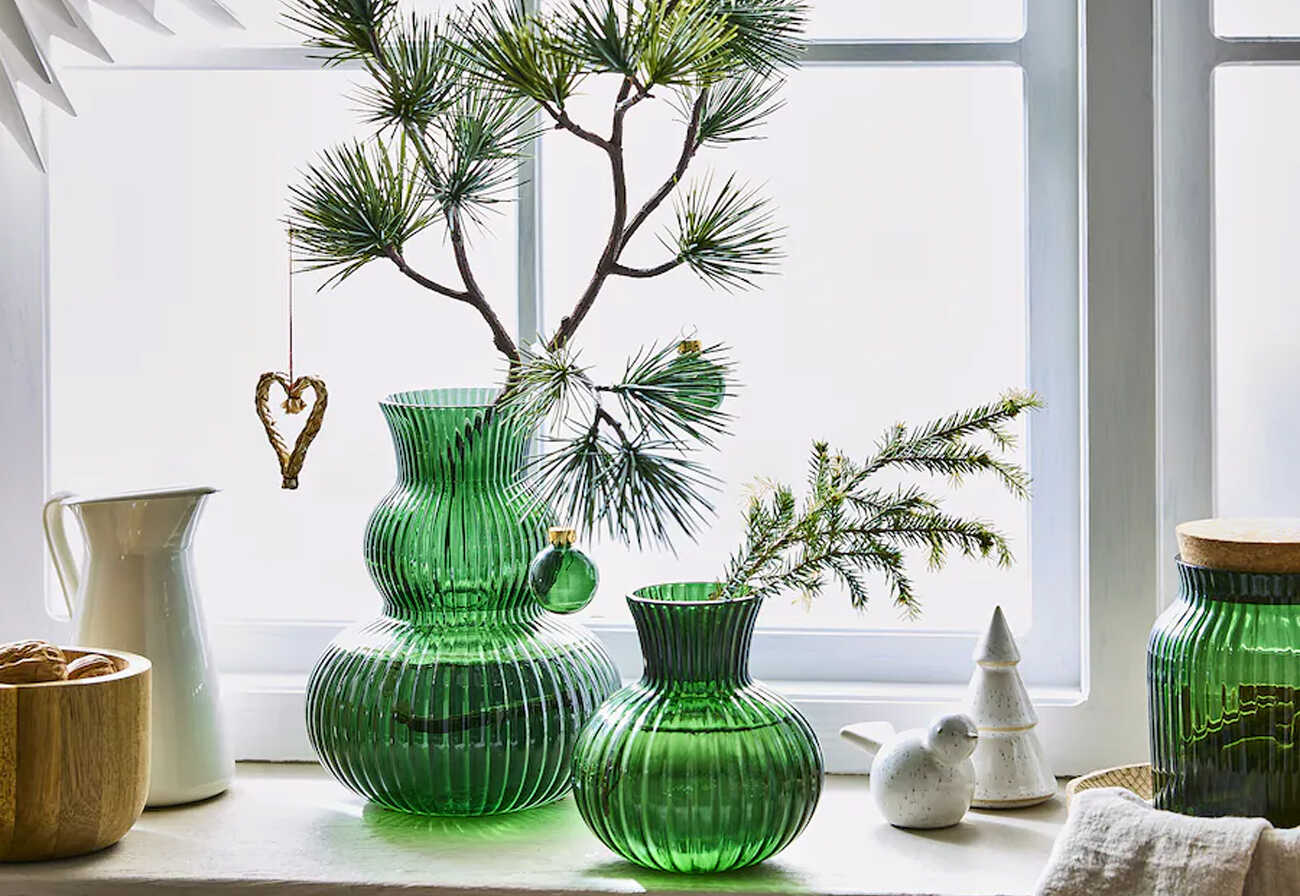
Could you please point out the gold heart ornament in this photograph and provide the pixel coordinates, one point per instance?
(291, 461)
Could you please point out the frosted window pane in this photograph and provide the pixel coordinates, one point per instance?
(903, 297)
(1257, 18)
(917, 19)
(168, 300)
(1257, 317)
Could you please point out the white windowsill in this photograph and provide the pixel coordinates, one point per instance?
(292, 829)
(266, 714)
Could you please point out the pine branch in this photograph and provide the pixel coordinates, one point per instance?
(847, 529)
(345, 29)
(733, 110)
(632, 475)
(674, 395)
(504, 44)
(727, 236)
(356, 204)
(415, 76)
(767, 34)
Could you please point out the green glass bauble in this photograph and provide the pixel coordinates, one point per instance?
(563, 578)
(712, 389)
(696, 767)
(1223, 679)
(465, 696)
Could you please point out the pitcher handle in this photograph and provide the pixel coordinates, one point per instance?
(56, 536)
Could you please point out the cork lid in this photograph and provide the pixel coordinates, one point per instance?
(1246, 544)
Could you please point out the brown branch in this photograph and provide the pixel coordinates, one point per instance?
(562, 120)
(614, 244)
(689, 148)
(500, 336)
(645, 273)
(602, 414)
(397, 259)
(471, 296)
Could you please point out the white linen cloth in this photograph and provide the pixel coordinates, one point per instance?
(1115, 844)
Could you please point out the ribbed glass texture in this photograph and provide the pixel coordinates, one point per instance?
(1223, 678)
(696, 767)
(465, 697)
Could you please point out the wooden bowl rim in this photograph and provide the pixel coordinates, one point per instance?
(135, 665)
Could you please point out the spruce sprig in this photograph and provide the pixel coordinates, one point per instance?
(846, 528)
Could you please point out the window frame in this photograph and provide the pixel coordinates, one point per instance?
(1189, 53)
(1092, 644)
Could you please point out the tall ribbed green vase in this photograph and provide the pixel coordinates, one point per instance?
(696, 767)
(465, 697)
(1223, 677)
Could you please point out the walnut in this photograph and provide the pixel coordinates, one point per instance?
(31, 661)
(91, 665)
(24, 662)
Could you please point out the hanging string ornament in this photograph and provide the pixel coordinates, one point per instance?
(291, 461)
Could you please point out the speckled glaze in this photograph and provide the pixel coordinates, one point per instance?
(922, 778)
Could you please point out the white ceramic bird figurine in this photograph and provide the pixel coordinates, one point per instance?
(922, 778)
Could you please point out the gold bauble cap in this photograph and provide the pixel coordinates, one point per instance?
(1247, 544)
(689, 347)
(562, 536)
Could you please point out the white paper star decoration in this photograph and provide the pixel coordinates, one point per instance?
(28, 26)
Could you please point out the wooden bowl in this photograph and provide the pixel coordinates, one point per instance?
(74, 760)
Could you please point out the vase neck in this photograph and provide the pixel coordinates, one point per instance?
(702, 643)
(1201, 583)
(466, 444)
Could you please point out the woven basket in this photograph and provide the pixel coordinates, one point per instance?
(1136, 778)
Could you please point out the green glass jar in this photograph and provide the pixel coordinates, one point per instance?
(1223, 677)
(696, 767)
(465, 697)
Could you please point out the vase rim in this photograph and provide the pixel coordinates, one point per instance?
(637, 596)
(463, 397)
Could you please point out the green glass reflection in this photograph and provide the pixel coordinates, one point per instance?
(1223, 674)
(465, 697)
(696, 767)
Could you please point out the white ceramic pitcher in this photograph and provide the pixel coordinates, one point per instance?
(135, 592)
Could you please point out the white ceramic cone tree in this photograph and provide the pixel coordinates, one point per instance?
(1011, 771)
(27, 28)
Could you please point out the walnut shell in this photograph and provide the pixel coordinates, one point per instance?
(25, 662)
(32, 670)
(22, 650)
(91, 665)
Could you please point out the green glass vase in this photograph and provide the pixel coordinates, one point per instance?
(465, 697)
(1223, 679)
(696, 767)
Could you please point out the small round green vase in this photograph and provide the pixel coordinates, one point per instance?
(1223, 679)
(465, 697)
(696, 767)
